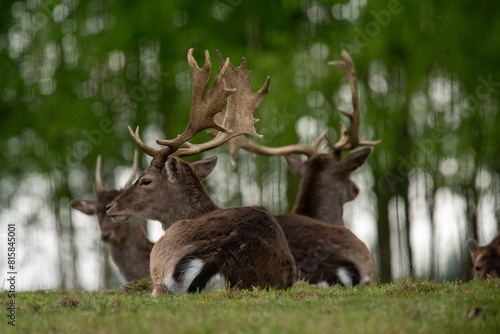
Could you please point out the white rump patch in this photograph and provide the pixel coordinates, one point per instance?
(192, 270)
(217, 282)
(323, 284)
(364, 281)
(344, 277)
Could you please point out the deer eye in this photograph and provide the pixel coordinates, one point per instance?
(145, 182)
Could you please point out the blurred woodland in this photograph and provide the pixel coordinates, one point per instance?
(76, 73)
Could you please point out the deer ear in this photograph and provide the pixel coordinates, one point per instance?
(87, 207)
(355, 160)
(294, 164)
(173, 168)
(203, 168)
(472, 243)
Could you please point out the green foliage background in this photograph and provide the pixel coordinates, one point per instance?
(75, 73)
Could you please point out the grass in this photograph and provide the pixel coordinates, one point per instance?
(406, 306)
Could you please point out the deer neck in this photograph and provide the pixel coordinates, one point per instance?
(131, 255)
(186, 203)
(319, 202)
(134, 245)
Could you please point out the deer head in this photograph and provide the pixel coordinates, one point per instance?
(110, 232)
(171, 189)
(486, 259)
(325, 184)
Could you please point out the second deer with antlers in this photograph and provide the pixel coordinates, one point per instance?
(127, 242)
(324, 250)
(206, 247)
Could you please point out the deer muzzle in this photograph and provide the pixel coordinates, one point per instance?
(111, 211)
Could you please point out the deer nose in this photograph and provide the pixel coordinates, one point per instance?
(108, 207)
(105, 236)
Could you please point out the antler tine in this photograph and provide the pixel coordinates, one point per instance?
(349, 136)
(159, 155)
(99, 186)
(317, 142)
(135, 164)
(241, 104)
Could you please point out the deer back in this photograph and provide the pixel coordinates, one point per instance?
(325, 254)
(243, 246)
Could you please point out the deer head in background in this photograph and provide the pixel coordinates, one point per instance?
(486, 259)
(110, 232)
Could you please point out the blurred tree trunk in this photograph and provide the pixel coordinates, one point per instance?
(472, 201)
(73, 250)
(430, 196)
(66, 234)
(407, 236)
(60, 246)
(384, 239)
(471, 197)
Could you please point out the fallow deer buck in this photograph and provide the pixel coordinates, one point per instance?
(204, 246)
(485, 259)
(127, 242)
(324, 250)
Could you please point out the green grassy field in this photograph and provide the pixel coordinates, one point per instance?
(408, 306)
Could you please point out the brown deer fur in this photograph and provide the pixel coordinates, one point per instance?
(325, 251)
(325, 187)
(204, 246)
(325, 184)
(127, 242)
(486, 259)
(314, 230)
(326, 254)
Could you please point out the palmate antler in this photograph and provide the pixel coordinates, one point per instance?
(349, 136)
(232, 88)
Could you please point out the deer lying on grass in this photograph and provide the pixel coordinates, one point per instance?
(325, 251)
(206, 247)
(485, 259)
(127, 242)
